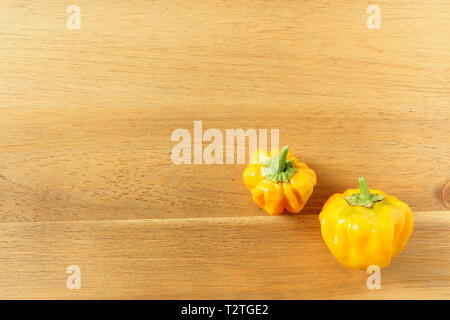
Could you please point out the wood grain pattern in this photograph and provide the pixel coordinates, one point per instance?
(87, 114)
(245, 257)
(85, 123)
(77, 163)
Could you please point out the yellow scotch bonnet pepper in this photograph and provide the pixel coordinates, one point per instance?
(365, 227)
(279, 181)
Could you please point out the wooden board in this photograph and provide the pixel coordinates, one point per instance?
(99, 163)
(86, 118)
(200, 258)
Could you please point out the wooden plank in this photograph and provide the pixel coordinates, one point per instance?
(85, 123)
(77, 163)
(86, 115)
(242, 257)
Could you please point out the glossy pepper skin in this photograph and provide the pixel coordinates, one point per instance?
(279, 181)
(363, 227)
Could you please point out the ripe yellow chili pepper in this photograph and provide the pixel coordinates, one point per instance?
(365, 227)
(279, 181)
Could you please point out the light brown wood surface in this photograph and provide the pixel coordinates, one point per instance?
(86, 118)
(202, 258)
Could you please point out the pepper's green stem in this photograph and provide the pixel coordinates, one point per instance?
(279, 168)
(281, 163)
(364, 193)
(364, 197)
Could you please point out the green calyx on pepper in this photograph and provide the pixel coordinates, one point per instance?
(279, 168)
(364, 198)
